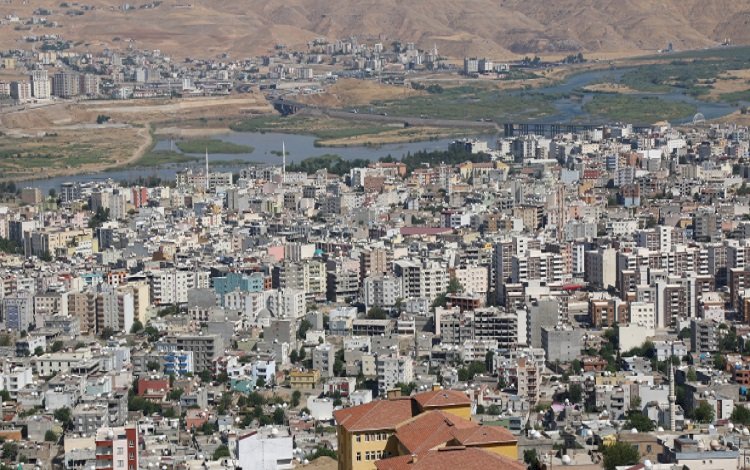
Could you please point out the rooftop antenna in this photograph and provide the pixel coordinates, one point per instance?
(206, 168)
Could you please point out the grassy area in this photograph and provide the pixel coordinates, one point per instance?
(323, 128)
(212, 146)
(24, 155)
(161, 157)
(472, 102)
(693, 72)
(736, 96)
(636, 109)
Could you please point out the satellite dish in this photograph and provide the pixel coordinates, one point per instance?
(699, 118)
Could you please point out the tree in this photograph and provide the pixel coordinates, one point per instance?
(691, 375)
(575, 393)
(635, 403)
(278, 416)
(57, 346)
(102, 118)
(304, 327)
(704, 413)
(740, 415)
(720, 361)
(480, 409)
(137, 326)
(10, 451)
(5, 395)
(100, 216)
(50, 436)
(107, 333)
(454, 286)
(64, 416)
(152, 333)
(377, 313)
(493, 410)
(38, 351)
(296, 396)
(294, 356)
(153, 365)
(175, 394)
(260, 382)
(619, 454)
(321, 452)
(221, 452)
(531, 458)
(639, 421)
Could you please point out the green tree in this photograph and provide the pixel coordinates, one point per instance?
(639, 421)
(377, 313)
(531, 458)
(304, 327)
(480, 409)
(321, 451)
(618, 454)
(57, 346)
(152, 333)
(720, 361)
(740, 415)
(691, 376)
(704, 413)
(153, 365)
(575, 393)
(10, 451)
(454, 286)
(493, 410)
(137, 326)
(38, 351)
(296, 396)
(175, 394)
(50, 436)
(64, 416)
(221, 452)
(107, 333)
(4, 395)
(278, 416)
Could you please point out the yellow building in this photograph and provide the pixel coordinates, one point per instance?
(411, 425)
(304, 379)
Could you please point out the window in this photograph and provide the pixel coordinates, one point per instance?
(119, 450)
(131, 443)
(358, 438)
(648, 449)
(359, 456)
(120, 463)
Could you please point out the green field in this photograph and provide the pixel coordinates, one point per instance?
(212, 146)
(161, 157)
(473, 103)
(46, 157)
(323, 128)
(692, 72)
(637, 109)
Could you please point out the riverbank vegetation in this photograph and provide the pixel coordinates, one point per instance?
(212, 146)
(636, 109)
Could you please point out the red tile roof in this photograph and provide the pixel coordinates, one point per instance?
(430, 430)
(481, 435)
(376, 415)
(451, 458)
(440, 398)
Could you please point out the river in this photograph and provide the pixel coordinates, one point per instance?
(300, 147)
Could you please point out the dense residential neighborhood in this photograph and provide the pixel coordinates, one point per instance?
(537, 300)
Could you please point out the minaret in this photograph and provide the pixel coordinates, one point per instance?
(672, 398)
(283, 163)
(206, 168)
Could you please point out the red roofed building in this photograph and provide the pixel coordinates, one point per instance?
(451, 458)
(387, 429)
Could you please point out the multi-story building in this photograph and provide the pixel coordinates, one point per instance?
(381, 291)
(40, 84)
(117, 447)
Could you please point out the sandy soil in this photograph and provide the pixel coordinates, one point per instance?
(351, 92)
(609, 88)
(395, 136)
(122, 141)
(729, 82)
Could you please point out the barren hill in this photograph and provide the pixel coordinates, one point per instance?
(499, 28)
